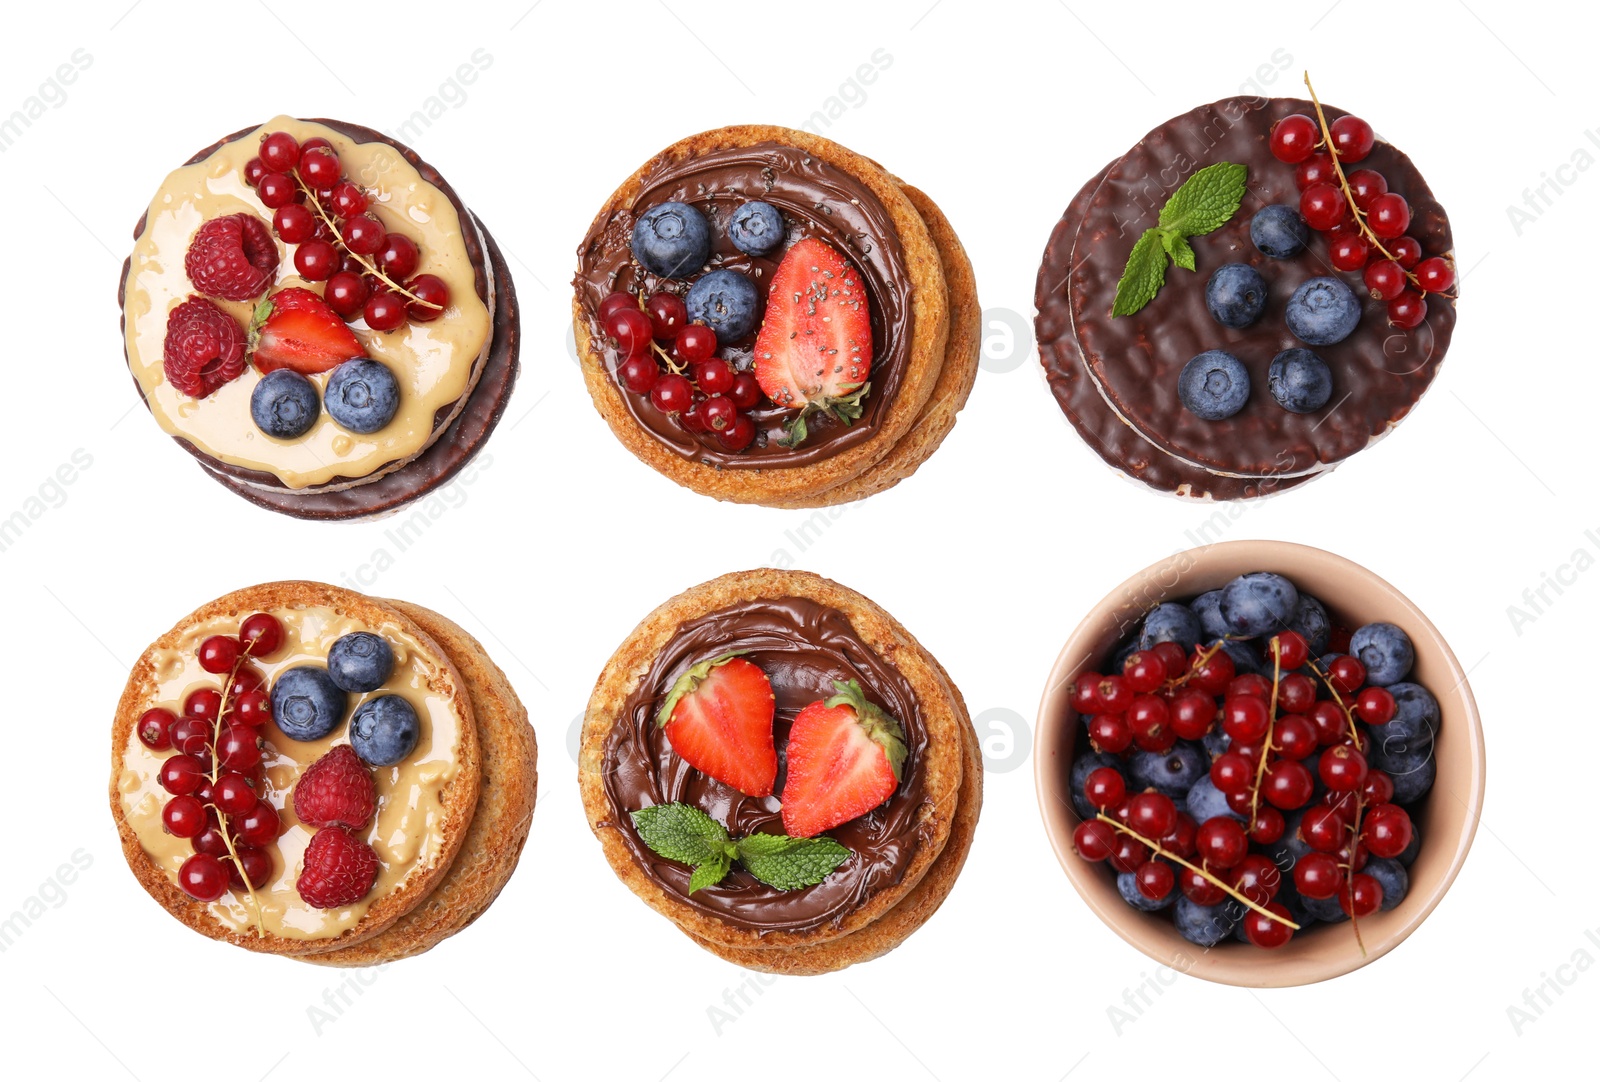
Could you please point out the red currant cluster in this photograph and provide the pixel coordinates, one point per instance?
(1274, 728)
(215, 774)
(1365, 222)
(337, 241)
(705, 392)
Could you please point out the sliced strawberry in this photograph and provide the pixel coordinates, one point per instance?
(814, 351)
(718, 718)
(845, 757)
(295, 328)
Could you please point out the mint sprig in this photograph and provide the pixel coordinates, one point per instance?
(1201, 204)
(689, 836)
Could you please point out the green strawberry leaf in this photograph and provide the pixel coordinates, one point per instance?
(1142, 277)
(882, 728)
(1205, 201)
(790, 863)
(689, 681)
(681, 833)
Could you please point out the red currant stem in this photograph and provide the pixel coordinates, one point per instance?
(222, 818)
(1350, 875)
(1272, 723)
(338, 237)
(1349, 197)
(676, 368)
(1155, 847)
(1338, 697)
(1198, 663)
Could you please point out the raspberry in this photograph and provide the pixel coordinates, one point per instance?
(233, 257)
(339, 869)
(204, 347)
(336, 790)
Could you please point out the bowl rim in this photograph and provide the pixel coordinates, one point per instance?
(1138, 929)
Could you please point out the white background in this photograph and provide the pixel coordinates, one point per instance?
(990, 553)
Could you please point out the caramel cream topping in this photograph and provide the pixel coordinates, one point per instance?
(406, 833)
(433, 362)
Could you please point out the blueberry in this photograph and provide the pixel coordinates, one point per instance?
(1235, 295)
(1081, 766)
(1325, 909)
(756, 228)
(1409, 853)
(1170, 622)
(1413, 774)
(726, 301)
(1172, 772)
(1290, 847)
(1322, 311)
(1206, 801)
(306, 703)
(1300, 381)
(1245, 660)
(360, 661)
(362, 395)
(1385, 650)
(1279, 231)
(1415, 721)
(1214, 385)
(1208, 609)
(1293, 901)
(1122, 652)
(384, 730)
(1215, 741)
(1392, 877)
(1310, 619)
(1258, 603)
(285, 404)
(1128, 887)
(672, 240)
(1202, 925)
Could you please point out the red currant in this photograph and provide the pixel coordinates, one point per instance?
(1408, 310)
(1232, 772)
(1180, 839)
(1318, 875)
(639, 373)
(279, 151)
(1152, 814)
(253, 708)
(1324, 829)
(1317, 169)
(1348, 251)
(1198, 889)
(1378, 788)
(1295, 737)
(155, 728)
(695, 343)
(192, 736)
(630, 327)
(714, 377)
(1191, 715)
(1250, 684)
(1115, 694)
(1266, 933)
(277, 190)
(254, 170)
(1352, 138)
(433, 297)
(385, 310)
(257, 864)
(1084, 693)
(346, 294)
(1213, 675)
(1221, 842)
(746, 391)
(1154, 879)
(614, 303)
(739, 435)
(316, 260)
(238, 750)
(1152, 735)
(1323, 206)
(203, 877)
(1288, 785)
(1289, 649)
(1365, 186)
(398, 256)
(1406, 251)
(232, 794)
(1128, 854)
(181, 774)
(1385, 280)
(261, 634)
(1268, 825)
(1110, 733)
(320, 169)
(1245, 718)
(1389, 216)
(218, 653)
(667, 314)
(258, 826)
(672, 393)
(1387, 830)
(294, 223)
(363, 234)
(1094, 840)
(1173, 657)
(203, 703)
(1375, 706)
(1257, 878)
(210, 842)
(1362, 897)
(1143, 671)
(1329, 721)
(1104, 787)
(1294, 138)
(184, 816)
(1346, 673)
(1342, 768)
(1296, 693)
(1435, 275)
(349, 201)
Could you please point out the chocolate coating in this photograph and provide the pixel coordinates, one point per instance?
(816, 199)
(803, 646)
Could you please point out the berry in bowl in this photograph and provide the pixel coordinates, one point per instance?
(1259, 763)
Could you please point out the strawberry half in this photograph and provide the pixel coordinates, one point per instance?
(718, 718)
(295, 328)
(815, 347)
(845, 757)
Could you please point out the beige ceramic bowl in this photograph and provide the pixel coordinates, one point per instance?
(1447, 819)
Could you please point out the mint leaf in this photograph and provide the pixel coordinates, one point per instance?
(690, 836)
(790, 863)
(1142, 277)
(681, 833)
(1205, 201)
(1201, 204)
(711, 872)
